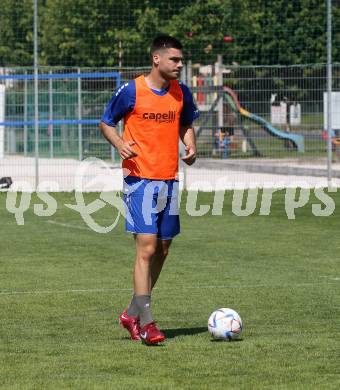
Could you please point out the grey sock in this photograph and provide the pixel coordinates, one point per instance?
(133, 310)
(144, 306)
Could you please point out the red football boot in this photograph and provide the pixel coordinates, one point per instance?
(150, 334)
(131, 324)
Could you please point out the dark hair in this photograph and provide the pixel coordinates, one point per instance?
(165, 42)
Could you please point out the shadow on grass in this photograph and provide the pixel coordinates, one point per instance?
(225, 341)
(172, 333)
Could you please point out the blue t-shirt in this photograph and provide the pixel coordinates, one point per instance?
(124, 98)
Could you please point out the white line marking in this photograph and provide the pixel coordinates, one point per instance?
(37, 292)
(69, 226)
(108, 290)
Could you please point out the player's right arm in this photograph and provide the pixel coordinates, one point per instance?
(124, 149)
(121, 103)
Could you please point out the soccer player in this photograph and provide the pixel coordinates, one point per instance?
(157, 110)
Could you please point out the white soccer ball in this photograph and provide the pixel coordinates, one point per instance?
(225, 324)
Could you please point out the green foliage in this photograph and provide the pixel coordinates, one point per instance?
(16, 32)
(106, 33)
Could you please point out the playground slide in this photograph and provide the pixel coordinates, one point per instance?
(296, 139)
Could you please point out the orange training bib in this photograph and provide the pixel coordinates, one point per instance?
(154, 125)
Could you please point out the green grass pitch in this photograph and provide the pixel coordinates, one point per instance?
(60, 283)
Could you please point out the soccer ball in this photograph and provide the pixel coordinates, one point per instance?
(225, 324)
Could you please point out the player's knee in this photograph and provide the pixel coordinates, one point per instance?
(148, 251)
(165, 252)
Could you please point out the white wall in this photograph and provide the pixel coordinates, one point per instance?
(335, 119)
(2, 119)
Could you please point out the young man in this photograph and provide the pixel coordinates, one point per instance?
(157, 111)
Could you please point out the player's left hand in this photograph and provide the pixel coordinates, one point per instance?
(190, 157)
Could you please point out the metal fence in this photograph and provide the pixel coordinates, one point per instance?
(273, 115)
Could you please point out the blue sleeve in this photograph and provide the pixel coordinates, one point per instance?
(121, 103)
(189, 111)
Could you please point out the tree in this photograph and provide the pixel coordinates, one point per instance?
(106, 32)
(16, 33)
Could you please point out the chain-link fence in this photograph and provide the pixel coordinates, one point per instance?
(255, 115)
(272, 114)
(101, 33)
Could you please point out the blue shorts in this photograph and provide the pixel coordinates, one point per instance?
(151, 207)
